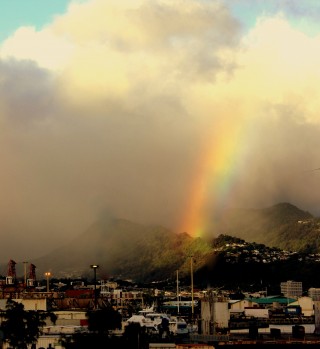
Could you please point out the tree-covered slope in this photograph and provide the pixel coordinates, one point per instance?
(283, 225)
(150, 253)
(125, 249)
(237, 264)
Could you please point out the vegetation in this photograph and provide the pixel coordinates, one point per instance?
(20, 327)
(100, 322)
(284, 226)
(127, 250)
(222, 240)
(142, 253)
(250, 266)
(103, 320)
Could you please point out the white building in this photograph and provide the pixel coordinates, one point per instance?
(214, 315)
(314, 293)
(306, 304)
(29, 304)
(257, 312)
(317, 317)
(240, 305)
(291, 289)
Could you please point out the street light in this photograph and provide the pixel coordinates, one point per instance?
(47, 274)
(95, 267)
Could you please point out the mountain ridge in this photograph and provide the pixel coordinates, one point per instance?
(278, 225)
(124, 248)
(145, 253)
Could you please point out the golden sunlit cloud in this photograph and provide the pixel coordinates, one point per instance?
(158, 111)
(45, 48)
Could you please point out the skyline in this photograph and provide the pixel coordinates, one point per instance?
(160, 112)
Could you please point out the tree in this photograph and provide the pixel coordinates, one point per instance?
(103, 320)
(100, 322)
(135, 337)
(21, 327)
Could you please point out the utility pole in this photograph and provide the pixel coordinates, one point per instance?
(178, 309)
(191, 271)
(25, 273)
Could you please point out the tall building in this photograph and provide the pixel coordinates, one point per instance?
(317, 317)
(291, 289)
(314, 293)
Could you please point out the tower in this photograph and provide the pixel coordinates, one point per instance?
(32, 275)
(11, 273)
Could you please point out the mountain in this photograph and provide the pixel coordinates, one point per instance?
(237, 264)
(130, 250)
(283, 225)
(125, 249)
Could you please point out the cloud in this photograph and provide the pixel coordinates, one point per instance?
(112, 105)
(44, 47)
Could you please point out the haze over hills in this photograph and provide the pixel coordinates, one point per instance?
(142, 252)
(129, 250)
(283, 225)
(125, 249)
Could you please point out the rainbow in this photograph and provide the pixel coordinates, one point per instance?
(214, 177)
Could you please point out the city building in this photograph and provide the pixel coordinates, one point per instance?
(314, 293)
(306, 304)
(215, 314)
(291, 288)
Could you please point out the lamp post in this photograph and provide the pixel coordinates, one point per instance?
(47, 274)
(95, 267)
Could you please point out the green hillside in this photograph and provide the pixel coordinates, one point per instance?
(127, 250)
(283, 225)
(134, 251)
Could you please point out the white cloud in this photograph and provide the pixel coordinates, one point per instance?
(121, 105)
(43, 47)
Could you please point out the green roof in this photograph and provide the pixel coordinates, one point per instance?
(273, 299)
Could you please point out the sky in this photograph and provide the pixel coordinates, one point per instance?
(162, 112)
